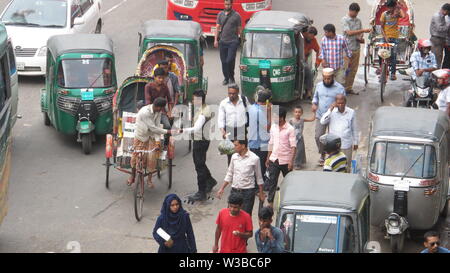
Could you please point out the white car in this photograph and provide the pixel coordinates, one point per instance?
(31, 22)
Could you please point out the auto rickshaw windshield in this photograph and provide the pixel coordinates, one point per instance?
(187, 50)
(267, 46)
(85, 73)
(394, 159)
(318, 233)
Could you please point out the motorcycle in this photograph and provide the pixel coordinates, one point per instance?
(420, 95)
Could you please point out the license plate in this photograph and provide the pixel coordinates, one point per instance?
(401, 185)
(84, 125)
(20, 66)
(264, 64)
(87, 95)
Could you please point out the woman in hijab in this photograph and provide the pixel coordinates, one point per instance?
(175, 221)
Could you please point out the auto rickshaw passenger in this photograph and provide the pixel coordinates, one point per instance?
(147, 135)
(173, 67)
(171, 81)
(336, 160)
(158, 89)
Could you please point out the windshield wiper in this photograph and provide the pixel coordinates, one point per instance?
(413, 164)
(22, 24)
(323, 238)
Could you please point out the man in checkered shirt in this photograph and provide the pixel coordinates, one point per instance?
(333, 48)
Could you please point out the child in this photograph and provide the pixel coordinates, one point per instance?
(298, 123)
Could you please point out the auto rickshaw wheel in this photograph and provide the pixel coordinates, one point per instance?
(108, 163)
(366, 68)
(190, 145)
(46, 119)
(98, 28)
(139, 197)
(170, 173)
(383, 79)
(86, 143)
(397, 242)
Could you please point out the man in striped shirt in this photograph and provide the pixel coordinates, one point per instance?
(333, 48)
(336, 160)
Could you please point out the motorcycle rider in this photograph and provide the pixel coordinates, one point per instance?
(423, 61)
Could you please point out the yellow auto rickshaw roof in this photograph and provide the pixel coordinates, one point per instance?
(323, 189)
(409, 122)
(80, 43)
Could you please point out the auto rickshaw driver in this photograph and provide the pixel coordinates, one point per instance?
(148, 136)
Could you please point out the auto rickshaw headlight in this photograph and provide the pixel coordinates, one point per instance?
(288, 68)
(42, 51)
(243, 67)
(394, 220)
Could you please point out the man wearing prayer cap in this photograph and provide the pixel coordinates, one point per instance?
(325, 95)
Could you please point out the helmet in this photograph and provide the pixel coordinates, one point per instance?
(262, 94)
(443, 74)
(331, 142)
(424, 43)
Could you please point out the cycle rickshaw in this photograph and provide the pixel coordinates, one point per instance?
(119, 145)
(377, 48)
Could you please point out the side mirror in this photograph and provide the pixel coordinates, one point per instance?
(372, 247)
(78, 21)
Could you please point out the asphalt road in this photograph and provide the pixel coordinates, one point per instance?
(57, 194)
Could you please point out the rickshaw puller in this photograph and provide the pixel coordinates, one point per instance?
(390, 31)
(148, 132)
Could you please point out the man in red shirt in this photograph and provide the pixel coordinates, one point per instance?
(234, 227)
(310, 45)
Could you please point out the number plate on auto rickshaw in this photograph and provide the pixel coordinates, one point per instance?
(264, 64)
(401, 185)
(87, 95)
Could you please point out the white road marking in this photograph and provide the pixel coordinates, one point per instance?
(115, 7)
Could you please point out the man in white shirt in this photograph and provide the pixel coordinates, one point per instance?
(244, 168)
(201, 140)
(342, 123)
(443, 100)
(148, 129)
(233, 116)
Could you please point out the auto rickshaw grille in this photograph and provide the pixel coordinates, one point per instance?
(104, 104)
(68, 104)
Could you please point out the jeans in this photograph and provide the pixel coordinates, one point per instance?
(438, 49)
(165, 121)
(353, 70)
(228, 58)
(320, 131)
(199, 150)
(274, 172)
(249, 198)
(262, 158)
(393, 59)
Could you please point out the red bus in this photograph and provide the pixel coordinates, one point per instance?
(205, 11)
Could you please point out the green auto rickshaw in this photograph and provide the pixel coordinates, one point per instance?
(273, 54)
(187, 37)
(80, 85)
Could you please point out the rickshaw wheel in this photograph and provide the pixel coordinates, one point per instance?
(139, 197)
(86, 143)
(108, 163)
(46, 120)
(383, 81)
(170, 173)
(190, 145)
(397, 242)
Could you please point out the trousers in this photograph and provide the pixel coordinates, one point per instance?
(249, 198)
(228, 58)
(199, 150)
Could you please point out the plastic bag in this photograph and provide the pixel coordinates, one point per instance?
(226, 147)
